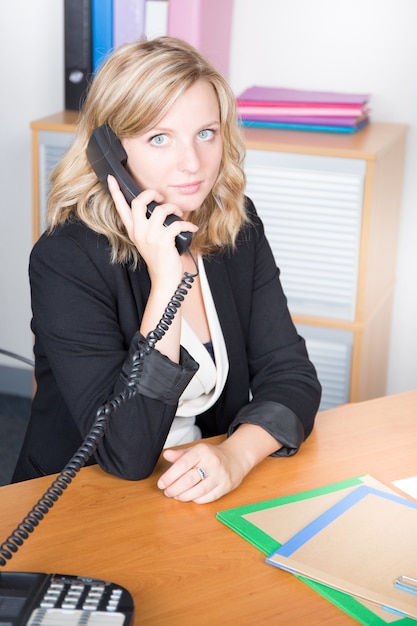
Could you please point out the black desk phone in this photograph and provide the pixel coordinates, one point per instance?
(33, 599)
(107, 156)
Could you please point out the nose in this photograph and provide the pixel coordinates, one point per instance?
(189, 160)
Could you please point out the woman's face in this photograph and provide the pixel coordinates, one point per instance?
(180, 156)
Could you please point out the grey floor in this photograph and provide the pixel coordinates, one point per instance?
(14, 415)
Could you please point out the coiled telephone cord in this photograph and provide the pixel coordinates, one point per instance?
(97, 432)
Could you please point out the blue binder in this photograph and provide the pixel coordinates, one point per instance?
(102, 31)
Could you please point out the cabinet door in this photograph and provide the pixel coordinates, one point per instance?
(311, 207)
(330, 349)
(51, 146)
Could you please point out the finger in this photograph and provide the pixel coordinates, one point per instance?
(137, 209)
(160, 210)
(169, 216)
(203, 492)
(195, 484)
(175, 472)
(172, 455)
(119, 200)
(183, 461)
(189, 487)
(146, 198)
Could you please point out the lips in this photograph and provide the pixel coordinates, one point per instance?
(189, 188)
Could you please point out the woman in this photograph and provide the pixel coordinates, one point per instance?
(230, 361)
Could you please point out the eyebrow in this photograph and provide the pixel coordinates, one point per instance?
(160, 129)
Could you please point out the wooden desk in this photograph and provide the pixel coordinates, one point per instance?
(181, 565)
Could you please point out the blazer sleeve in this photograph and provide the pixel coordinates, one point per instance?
(76, 321)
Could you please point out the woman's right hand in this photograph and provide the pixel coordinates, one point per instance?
(154, 241)
(156, 244)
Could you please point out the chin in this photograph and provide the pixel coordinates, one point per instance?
(191, 206)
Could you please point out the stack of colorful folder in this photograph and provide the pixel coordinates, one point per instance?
(275, 107)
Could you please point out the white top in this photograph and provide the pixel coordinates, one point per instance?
(207, 383)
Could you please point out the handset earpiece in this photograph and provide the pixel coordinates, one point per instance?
(107, 156)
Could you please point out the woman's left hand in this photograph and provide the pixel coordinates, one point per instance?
(202, 473)
(205, 472)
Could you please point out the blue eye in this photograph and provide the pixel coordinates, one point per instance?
(159, 140)
(206, 134)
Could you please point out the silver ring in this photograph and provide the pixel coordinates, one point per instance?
(201, 472)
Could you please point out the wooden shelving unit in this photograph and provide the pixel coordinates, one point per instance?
(358, 179)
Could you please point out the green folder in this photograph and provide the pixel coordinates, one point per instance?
(257, 524)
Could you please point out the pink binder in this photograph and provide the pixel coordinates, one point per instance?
(205, 24)
(281, 96)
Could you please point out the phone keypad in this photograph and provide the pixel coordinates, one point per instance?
(60, 617)
(73, 601)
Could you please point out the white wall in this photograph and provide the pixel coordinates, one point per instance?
(360, 46)
(31, 61)
(364, 46)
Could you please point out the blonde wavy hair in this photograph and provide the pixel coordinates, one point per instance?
(131, 92)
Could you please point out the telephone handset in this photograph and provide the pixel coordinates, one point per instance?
(34, 599)
(107, 156)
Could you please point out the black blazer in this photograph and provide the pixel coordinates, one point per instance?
(86, 314)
